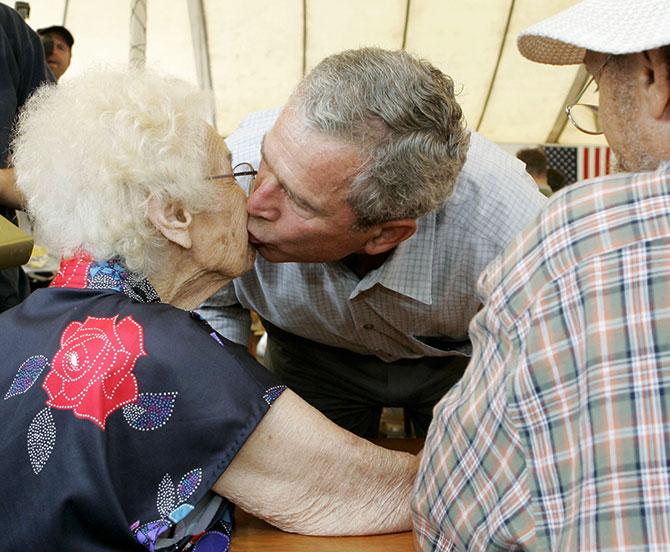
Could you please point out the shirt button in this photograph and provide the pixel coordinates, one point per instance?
(368, 326)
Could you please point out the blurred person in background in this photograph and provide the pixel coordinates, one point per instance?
(556, 179)
(22, 69)
(57, 42)
(536, 165)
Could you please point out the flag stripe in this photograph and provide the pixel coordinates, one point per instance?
(585, 163)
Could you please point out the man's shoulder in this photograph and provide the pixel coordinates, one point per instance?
(245, 141)
(492, 176)
(608, 201)
(10, 20)
(493, 199)
(262, 119)
(485, 158)
(18, 35)
(582, 222)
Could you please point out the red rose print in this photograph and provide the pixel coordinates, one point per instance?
(92, 372)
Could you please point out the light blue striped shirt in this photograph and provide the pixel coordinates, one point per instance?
(421, 300)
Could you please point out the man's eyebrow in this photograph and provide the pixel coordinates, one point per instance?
(295, 198)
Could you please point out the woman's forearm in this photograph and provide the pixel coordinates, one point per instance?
(304, 474)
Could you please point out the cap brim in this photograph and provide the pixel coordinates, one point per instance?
(607, 26)
(549, 50)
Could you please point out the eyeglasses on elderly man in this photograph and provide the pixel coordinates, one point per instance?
(585, 117)
(126, 418)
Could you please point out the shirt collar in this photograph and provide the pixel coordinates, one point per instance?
(408, 270)
(83, 272)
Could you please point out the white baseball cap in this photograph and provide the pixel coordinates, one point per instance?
(608, 26)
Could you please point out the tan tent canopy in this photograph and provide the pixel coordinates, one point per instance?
(252, 53)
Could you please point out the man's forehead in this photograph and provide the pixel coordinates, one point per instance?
(309, 164)
(292, 135)
(290, 121)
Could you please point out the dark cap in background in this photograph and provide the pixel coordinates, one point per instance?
(61, 31)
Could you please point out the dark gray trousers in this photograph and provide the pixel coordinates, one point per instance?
(351, 389)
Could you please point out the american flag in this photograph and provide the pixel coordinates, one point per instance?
(580, 163)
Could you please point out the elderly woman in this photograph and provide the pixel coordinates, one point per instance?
(127, 421)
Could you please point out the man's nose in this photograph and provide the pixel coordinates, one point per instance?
(264, 200)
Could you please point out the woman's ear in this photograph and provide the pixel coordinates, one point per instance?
(172, 220)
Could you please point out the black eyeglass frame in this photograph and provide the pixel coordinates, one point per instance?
(235, 174)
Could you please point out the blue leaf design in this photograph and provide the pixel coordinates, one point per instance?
(180, 513)
(29, 371)
(41, 439)
(150, 411)
(149, 532)
(188, 484)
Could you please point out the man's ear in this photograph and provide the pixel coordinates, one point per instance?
(657, 83)
(388, 235)
(171, 220)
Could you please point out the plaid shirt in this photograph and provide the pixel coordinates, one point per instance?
(558, 435)
(420, 301)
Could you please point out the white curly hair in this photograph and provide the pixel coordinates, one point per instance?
(90, 153)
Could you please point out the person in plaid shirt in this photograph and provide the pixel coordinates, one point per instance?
(558, 435)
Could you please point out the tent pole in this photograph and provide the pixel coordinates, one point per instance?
(65, 7)
(562, 117)
(196, 13)
(406, 24)
(304, 37)
(497, 67)
(138, 33)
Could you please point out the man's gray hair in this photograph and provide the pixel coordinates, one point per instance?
(91, 152)
(403, 114)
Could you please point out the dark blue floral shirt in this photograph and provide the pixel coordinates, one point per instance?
(119, 414)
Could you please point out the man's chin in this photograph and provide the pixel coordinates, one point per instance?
(272, 255)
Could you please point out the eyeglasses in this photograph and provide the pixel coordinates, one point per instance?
(585, 116)
(243, 173)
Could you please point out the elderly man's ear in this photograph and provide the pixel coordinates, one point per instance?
(656, 83)
(171, 220)
(387, 235)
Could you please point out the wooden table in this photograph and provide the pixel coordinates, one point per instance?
(254, 535)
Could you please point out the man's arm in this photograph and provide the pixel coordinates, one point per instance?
(9, 193)
(302, 473)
